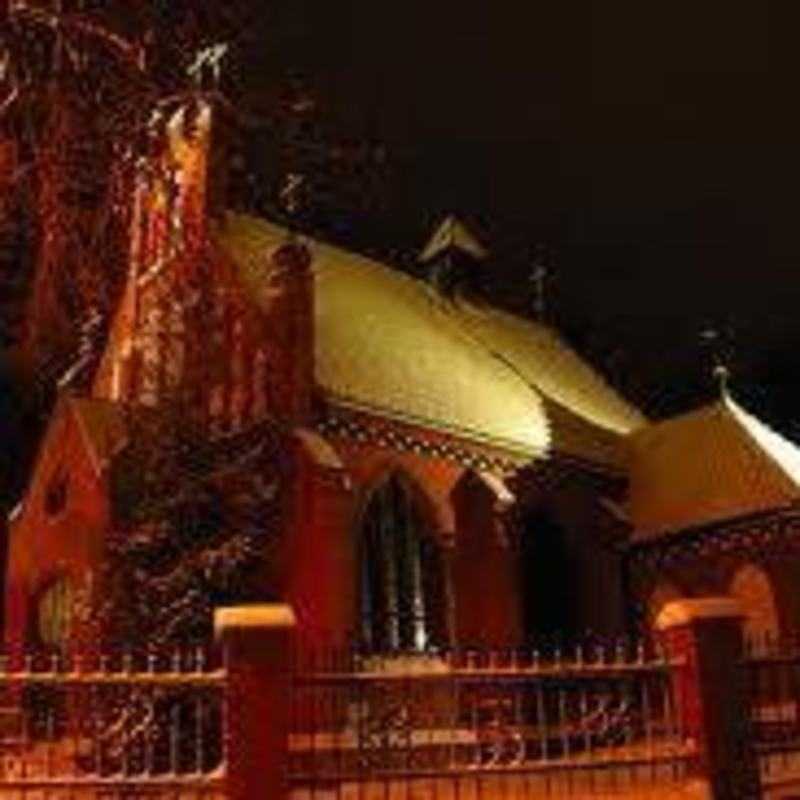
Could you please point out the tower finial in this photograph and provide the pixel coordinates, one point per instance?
(722, 375)
(207, 61)
(720, 371)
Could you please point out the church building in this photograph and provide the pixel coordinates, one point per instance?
(404, 463)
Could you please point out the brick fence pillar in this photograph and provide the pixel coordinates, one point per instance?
(256, 642)
(705, 635)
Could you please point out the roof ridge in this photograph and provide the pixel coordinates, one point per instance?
(782, 452)
(560, 348)
(315, 242)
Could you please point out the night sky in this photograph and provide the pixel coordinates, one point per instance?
(643, 142)
(646, 143)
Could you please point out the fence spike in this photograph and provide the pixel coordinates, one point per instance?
(447, 657)
(619, 654)
(127, 662)
(600, 654)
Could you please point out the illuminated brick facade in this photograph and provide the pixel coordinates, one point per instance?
(451, 474)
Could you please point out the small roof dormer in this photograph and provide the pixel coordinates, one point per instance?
(451, 256)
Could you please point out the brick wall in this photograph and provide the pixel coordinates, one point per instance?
(47, 541)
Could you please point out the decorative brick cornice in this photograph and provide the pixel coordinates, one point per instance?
(361, 428)
(545, 472)
(770, 534)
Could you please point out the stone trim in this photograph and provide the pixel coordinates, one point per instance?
(688, 611)
(273, 615)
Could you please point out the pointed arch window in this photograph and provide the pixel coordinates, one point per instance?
(54, 613)
(402, 575)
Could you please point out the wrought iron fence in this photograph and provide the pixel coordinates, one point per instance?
(598, 718)
(111, 726)
(772, 684)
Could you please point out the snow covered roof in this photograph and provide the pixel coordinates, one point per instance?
(717, 462)
(389, 343)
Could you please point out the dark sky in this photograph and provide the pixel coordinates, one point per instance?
(642, 140)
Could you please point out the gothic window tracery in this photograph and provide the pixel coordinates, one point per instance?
(402, 576)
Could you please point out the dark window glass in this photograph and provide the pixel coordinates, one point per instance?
(55, 500)
(402, 580)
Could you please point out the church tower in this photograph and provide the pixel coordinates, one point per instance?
(187, 334)
(147, 353)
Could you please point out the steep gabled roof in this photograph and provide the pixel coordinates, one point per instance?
(718, 462)
(102, 423)
(391, 344)
(81, 431)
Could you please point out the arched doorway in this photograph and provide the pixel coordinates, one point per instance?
(751, 586)
(402, 579)
(548, 603)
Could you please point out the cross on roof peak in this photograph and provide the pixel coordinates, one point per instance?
(713, 339)
(540, 272)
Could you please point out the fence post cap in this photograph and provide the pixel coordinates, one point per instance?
(689, 610)
(264, 616)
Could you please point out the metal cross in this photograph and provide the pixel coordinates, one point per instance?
(290, 192)
(538, 278)
(712, 338)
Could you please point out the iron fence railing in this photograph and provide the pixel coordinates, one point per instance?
(771, 686)
(99, 725)
(479, 714)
